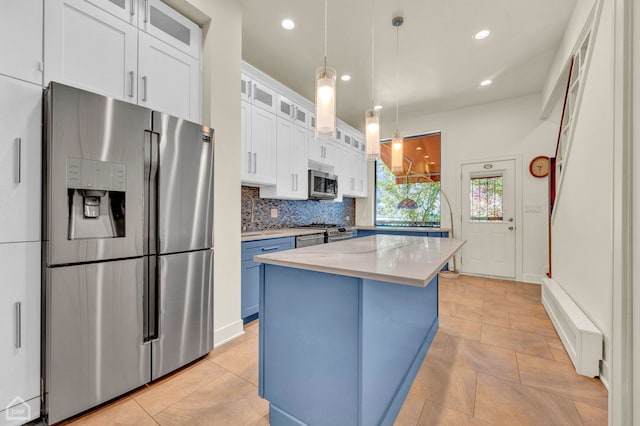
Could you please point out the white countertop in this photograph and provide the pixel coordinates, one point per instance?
(402, 228)
(392, 258)
(278, 233)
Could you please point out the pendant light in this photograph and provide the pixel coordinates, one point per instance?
(371, 117)
(397, 154)
(325, 94)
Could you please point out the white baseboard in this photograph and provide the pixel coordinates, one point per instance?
(605, 373)
(227, 333)
(532, 278)
(580, 336)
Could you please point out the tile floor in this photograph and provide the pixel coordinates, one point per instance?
(495, 360)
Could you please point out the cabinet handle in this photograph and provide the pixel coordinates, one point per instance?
(18, 325)
(131, 7)
(144, 88)
(18, 160)
(146, 11)
(255, 161)
(249, 161)
(131, 83)
(296, 181)
(270, 248)
(292, 184)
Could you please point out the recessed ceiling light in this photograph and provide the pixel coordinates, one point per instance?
(345, 77)
(426, 156)
(485, 82)
(432, 163)
(377, 107)
(419, 148)
(482, 34)
(288, 24)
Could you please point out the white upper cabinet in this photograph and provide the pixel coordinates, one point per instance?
(164, 23)
(292, 176)
(259, 155)
(127, 10)
(96, 45)
(169, 80)
(262, 96)
(91, 49)
(21, 39)
(20, 160)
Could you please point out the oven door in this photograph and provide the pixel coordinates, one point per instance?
(309, 240)
(339, 237)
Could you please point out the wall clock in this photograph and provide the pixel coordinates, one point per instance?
(539, 166)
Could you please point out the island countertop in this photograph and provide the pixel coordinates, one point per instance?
(396, 259)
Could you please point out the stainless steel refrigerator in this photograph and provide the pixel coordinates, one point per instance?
(127, 258)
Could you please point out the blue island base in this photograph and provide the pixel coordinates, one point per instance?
(339, 350)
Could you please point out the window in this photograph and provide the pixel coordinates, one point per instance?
(485, 196)
(410, 197)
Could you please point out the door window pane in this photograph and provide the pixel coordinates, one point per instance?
(485, 196)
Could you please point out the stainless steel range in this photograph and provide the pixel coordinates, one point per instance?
(332, 232)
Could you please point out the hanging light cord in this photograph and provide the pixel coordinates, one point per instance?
(397, 72)
(325, 35)
(373, 51)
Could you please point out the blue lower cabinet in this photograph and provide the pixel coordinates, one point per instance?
(250, 273)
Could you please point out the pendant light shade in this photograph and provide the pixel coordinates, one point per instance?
(397, 154)
(372, 123)
(325, 103)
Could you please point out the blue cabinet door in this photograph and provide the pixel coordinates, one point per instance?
(250, 281)
(250, 271)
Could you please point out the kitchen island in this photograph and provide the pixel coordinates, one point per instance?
(344, 327)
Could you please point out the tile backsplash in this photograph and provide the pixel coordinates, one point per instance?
(292, 213)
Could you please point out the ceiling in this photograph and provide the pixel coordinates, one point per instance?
(440, 64)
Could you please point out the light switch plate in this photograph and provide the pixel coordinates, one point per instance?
(274, 213)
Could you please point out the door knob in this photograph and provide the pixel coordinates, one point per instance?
(510, 228)
(510, 219)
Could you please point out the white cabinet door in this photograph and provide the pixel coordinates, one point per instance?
(21, 39)
(20, 146)
(299, 161)
(20, 326)
(263, 96)
(263, 146)
(127, 10)
(91, 49)
(169, 79)
(291, 160)
(166, 24)
(245, 141)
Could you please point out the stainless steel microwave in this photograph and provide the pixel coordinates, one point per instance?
(322, 186)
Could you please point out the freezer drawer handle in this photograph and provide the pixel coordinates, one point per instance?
(18, 325)
(270, 248)
(18, 160)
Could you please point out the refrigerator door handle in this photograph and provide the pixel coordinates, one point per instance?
(151, 300)
(151, 162)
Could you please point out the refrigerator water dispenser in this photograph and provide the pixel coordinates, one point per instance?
(96, 199)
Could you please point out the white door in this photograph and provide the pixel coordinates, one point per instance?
(21, 39)
(20, 146)
(169, 79)
(88, 48)
(488, 218)
(20, 324)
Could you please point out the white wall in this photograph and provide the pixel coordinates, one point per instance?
(509, 128)
(222, 48)
(582, 228)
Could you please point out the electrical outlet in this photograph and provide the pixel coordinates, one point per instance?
(274, 213)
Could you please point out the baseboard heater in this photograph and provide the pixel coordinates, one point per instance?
(580, 336)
